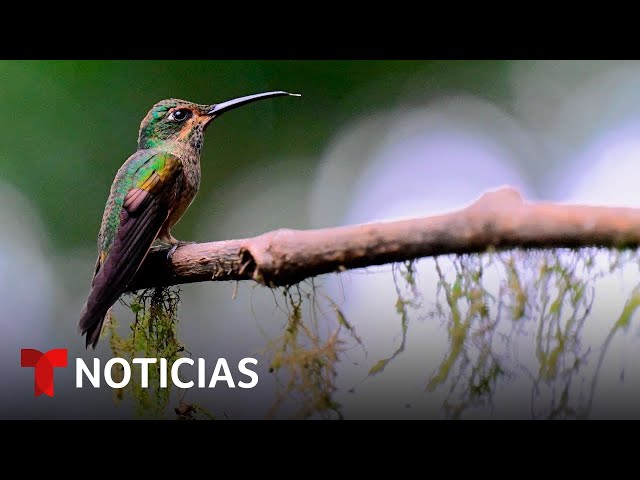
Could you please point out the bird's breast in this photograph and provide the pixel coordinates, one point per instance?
(191, 178)
(186, 191)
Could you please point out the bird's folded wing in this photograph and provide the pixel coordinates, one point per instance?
(145, 208)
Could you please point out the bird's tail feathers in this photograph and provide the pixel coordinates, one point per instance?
(91, 324)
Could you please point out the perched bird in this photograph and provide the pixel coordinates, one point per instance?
(149, 194)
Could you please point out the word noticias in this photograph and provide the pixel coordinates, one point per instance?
(221, 372)
(44, 364)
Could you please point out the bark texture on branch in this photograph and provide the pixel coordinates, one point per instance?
(499, 219)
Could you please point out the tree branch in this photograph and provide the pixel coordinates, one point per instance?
(499, 219)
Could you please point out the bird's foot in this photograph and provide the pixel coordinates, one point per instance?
(175, 246)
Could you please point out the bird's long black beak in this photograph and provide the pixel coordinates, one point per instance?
(220, 108)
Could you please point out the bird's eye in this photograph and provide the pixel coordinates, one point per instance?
(180, 115)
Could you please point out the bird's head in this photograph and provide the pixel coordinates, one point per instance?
(175, 121)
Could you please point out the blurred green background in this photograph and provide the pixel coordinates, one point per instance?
(70, 124)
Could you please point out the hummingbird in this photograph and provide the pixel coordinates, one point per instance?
(150, 193)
